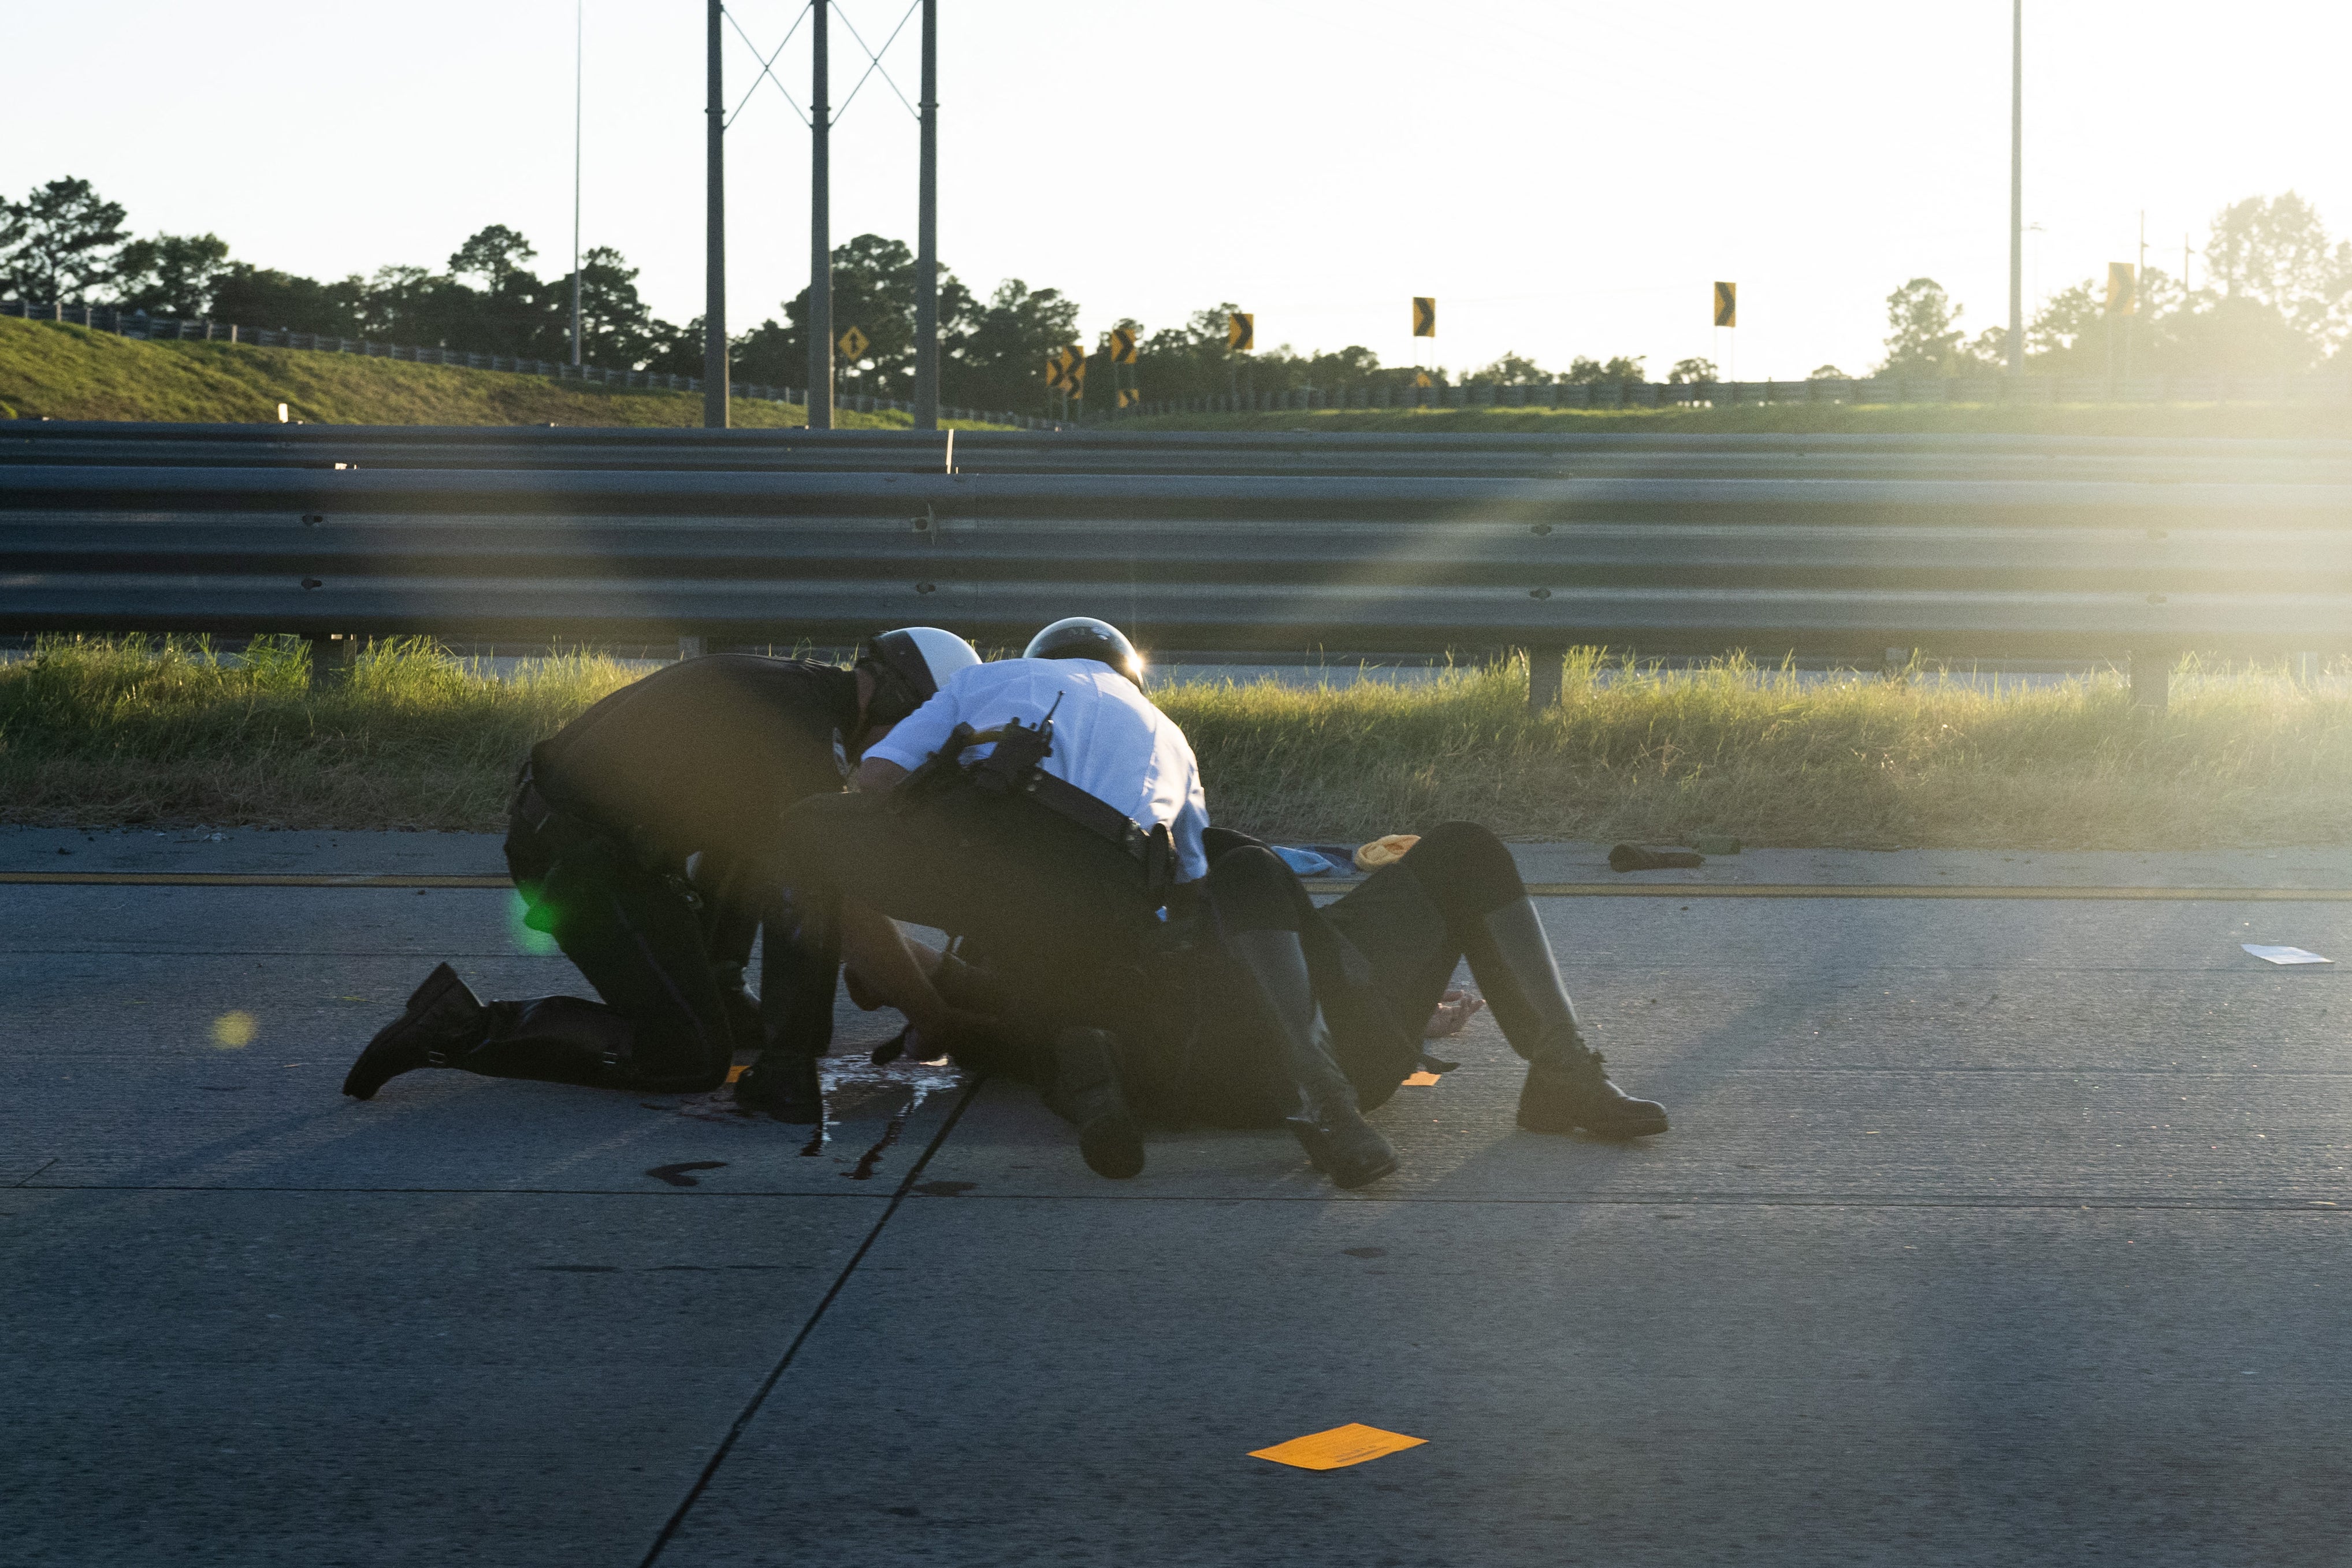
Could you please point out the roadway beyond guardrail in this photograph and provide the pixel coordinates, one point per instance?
(1955, 567)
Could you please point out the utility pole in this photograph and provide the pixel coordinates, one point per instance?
(579, 78)
(714, 390)
(819, 294)
(2017, 188)
(2140, 293)
(927, 235)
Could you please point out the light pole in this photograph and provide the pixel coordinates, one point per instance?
(819, 295)
(578, 76)
(927, 235)
(715, 407)
(2017, 188)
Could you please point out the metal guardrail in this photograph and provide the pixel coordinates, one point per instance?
(1587, 454)
(1955, 567)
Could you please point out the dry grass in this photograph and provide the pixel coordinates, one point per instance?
(112, 730)
(2245, 758)
(105, 732)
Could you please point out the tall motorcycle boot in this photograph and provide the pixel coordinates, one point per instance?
(554, 1039)
(444, 1020)
(742, 1008)
(1328, 1123)
(1567, 1087)
(1088, 1092)
(800, 958)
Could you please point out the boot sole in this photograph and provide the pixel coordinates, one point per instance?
(1112, 1148)
(1349, 1181)
(1615, 1134)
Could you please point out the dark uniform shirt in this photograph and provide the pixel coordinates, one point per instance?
(704, 754)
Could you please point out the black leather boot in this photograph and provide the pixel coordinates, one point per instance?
(444, 1020)
(800, 960)
(1086, 1091)
(1328, 1123)
(1566, 1086)
(556, 1039)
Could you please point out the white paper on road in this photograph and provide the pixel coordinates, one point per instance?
(2282, 954)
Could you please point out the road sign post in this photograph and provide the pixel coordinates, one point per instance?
(2123, 299)
(820, 304)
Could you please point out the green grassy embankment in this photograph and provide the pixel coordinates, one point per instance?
(2304, 421)
(59, 371)
(103, 732)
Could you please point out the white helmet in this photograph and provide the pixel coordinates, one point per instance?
(922, 658)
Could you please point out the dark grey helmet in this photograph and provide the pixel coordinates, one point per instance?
(1083, 637)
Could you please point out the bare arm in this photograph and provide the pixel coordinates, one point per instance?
(892, 968)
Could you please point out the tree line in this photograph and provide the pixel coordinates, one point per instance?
(67, 243)
(2276, 299)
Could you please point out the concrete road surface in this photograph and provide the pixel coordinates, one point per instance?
(1990, 1231)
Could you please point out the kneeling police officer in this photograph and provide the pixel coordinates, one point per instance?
(642, 835)
(1044, 809)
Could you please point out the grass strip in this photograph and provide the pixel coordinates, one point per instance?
(53, 370)
(116, 730)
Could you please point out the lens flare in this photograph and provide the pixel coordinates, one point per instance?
(232, 1031)
(527, 939)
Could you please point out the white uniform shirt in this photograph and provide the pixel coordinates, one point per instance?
(1108, 740)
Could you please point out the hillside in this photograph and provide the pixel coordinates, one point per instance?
(51, 370)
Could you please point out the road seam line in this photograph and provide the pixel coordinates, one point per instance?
(743, 1420)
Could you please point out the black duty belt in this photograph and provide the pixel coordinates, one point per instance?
(1012, 770)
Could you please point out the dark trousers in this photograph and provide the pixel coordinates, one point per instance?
(670, 970)
(1380, 955)
(1063, 916)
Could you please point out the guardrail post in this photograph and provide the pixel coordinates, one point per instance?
(332, 655)
(2151, 678)
(1544, 667)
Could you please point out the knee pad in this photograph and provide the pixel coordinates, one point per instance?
(1251, 890)
(1464, 869)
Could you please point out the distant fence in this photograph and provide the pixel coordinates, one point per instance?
(2030, 389)
(174, 329)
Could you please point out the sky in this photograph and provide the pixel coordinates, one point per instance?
(1566, 178)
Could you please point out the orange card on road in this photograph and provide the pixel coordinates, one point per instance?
(1338, 1448)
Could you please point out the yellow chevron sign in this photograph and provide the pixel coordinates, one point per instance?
(2122, 289)
(1425, 317)
(1241, 330)
(1058, 368)
(852, 344)
(1128, 394)
(1122, 345)
(1726, 304)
